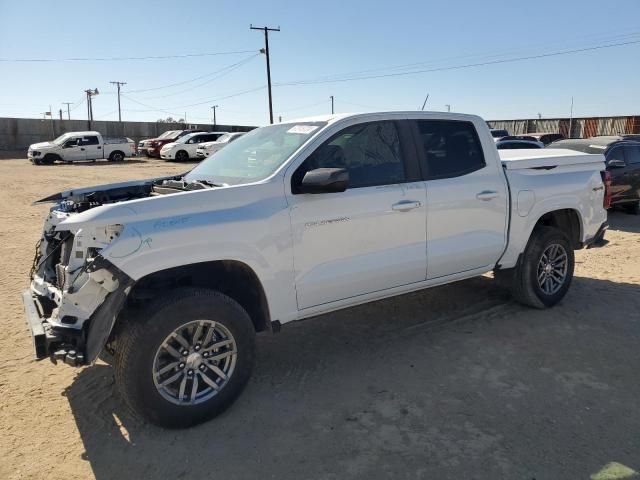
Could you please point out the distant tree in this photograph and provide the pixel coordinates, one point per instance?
(169, 120)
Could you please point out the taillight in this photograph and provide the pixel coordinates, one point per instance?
(606, 179)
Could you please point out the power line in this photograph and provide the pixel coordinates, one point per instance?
(211, 100)
(433, 63)
(118, 59)
(177, 84)
(220, 74)
(347, 78)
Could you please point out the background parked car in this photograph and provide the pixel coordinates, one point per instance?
(185, 147)
(143, 145)
(498, 133)
(513, 142)
(209, 148)
(547, 138)
(157, 143)
(80, 146)
(622, 155)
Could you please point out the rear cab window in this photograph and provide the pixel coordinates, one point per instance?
(448, 148)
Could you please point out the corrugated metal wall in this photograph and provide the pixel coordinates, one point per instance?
(580, 127)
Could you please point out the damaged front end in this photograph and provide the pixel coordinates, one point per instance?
(75, 293)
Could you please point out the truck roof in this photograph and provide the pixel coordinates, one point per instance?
(83, 133)
(400, 113)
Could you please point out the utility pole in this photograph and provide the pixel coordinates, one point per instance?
(448, 107)
(331, 97)
(90, 93)
(425, 103)
(570, 119)
(539, 116)
(214, 114)
(60, 111)
(53, 132)
(119, 84)
(266, 52)
(68, 110)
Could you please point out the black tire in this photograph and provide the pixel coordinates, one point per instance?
(139, 340)
(182, 156)
(116, 156)
(634, 208)
(525, 286)
(49, 159)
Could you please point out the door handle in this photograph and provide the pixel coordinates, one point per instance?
(99, 148)
(487, 195)
(82, 149)
(405, 205)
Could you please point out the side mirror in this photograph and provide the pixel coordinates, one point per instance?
(613, 163)
(325, 180)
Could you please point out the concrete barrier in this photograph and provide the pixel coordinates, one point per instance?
(16, 134)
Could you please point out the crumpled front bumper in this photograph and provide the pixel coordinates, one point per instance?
(82, 343)
(35, 325)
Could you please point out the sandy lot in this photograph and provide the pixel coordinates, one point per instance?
(456, 382)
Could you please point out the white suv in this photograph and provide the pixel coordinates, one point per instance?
(185, 148)
(209, 148)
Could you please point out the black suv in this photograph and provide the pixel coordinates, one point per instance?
(622, 154)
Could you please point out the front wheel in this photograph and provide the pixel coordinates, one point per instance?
(182, 156)
(185, 358)
(545, 270)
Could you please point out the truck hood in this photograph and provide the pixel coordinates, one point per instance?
(42, 146)
(163, 211)
(80, 194)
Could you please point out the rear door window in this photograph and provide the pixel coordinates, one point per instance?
(451, 148)
(91, 140)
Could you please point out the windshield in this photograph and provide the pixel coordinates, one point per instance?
(224, 138)
(60, 140)
(256, 155)
(185, 138)
(168, 133)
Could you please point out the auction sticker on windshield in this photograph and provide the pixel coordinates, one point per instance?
(302, 129)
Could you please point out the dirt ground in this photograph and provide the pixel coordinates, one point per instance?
(457, 382)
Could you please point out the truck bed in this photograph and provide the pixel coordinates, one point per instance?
(545, 158)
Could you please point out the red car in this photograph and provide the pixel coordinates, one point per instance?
(152, 146)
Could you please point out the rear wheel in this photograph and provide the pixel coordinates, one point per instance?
(545, 270)
(116, 156)
(185, 358)
(182, 156)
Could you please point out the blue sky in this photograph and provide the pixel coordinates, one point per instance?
(321, 39)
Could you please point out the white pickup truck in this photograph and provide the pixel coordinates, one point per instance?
(80, 146)
(174, 276)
